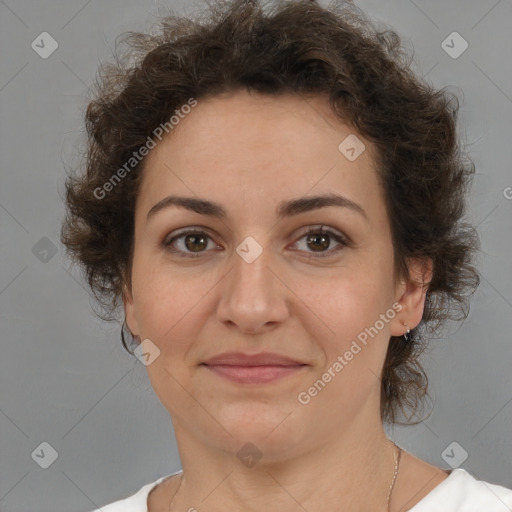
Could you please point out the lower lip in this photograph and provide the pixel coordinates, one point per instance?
(253, 374)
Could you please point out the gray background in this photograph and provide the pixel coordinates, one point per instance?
(64, 377)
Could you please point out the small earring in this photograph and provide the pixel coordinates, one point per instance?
(135, 338)
(406, 335)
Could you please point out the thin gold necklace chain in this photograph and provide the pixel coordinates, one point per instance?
(397, 466)
(175, 494)
(391, 487)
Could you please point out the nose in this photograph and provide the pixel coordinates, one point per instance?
(252, 295)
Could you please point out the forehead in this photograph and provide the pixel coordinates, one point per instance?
(236, 146)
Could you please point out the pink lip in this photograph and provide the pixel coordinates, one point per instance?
(253, 374)
(253, 368)
(261, 359)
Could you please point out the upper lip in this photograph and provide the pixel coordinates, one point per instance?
(260, 359)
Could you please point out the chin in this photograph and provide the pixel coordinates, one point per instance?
(270, 429)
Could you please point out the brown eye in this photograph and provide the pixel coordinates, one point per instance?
(319, 240)
(195, 242)
(190, 243)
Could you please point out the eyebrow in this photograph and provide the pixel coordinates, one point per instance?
(285, 208)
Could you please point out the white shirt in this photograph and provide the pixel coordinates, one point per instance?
(460, 492)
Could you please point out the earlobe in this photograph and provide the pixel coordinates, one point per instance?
(411, 296)
(129, 311)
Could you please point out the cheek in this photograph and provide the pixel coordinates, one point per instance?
(357, 343)
(166, 316)
(348, 301)
(350, 306)
(171, 316)
(171, 304)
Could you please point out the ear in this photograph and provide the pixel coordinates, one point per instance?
(129, 311)
(411, 294)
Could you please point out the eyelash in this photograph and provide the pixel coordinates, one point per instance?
(341, 239)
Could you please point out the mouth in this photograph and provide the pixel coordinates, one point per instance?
(253, 374)
(253, 368)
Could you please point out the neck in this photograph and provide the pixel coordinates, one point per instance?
(354, 468)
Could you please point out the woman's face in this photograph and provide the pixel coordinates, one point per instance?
(254, 281)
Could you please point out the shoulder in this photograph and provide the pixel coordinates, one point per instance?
(136, 502)
(461, 492)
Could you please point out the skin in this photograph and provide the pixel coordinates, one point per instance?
(249, 152)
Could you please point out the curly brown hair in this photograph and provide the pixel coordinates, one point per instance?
(294, 47)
